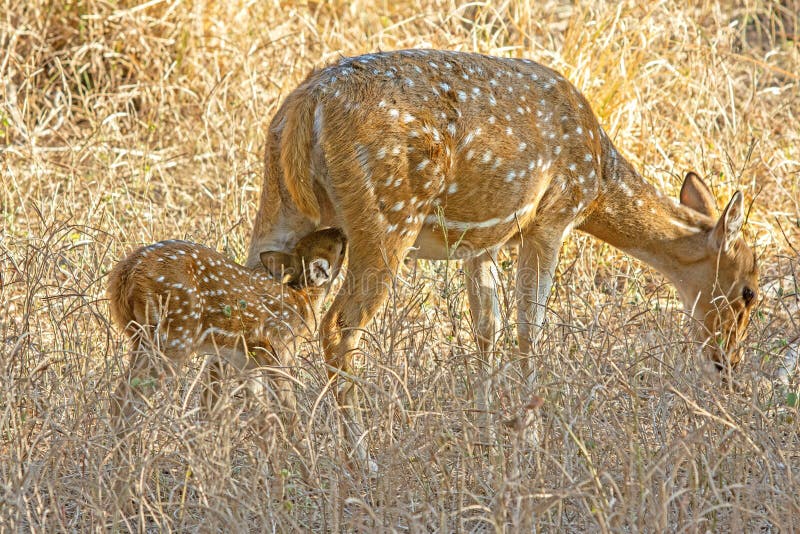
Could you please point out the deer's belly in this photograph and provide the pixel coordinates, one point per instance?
(434, 243)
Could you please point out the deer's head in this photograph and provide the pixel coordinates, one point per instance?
(723, 288)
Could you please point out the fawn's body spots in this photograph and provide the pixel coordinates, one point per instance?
(201, 300)
(178, 298)
(452, 155)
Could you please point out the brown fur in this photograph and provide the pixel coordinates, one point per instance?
(295, 156)
(453, 155)
(176, 298)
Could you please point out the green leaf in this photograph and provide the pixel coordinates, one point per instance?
(242, 304)
(791, 399)
(227, 310)
(141, 382)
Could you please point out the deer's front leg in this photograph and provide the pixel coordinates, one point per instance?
(538, 257)
(481, 274)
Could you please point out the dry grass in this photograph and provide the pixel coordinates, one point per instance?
(122, 125)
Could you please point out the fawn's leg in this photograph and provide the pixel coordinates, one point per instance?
(213, 389)
(283, 382)
(139, 381)
(482, 278)
(153, 347)
(278, 373)
(136, 383)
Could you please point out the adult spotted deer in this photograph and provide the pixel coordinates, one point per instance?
(177, 298)
(453, 155)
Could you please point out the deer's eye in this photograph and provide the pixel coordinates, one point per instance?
(748, 295)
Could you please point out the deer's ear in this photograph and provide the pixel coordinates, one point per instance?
(280, 265)
(695, 194)
(729, 224)
(319, 272)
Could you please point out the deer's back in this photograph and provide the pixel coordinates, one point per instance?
(431, 135)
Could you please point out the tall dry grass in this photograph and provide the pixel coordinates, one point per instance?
(123, 124)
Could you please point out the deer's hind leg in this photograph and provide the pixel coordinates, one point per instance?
(484, 303)
(381, 208)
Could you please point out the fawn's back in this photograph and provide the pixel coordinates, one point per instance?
(197, 297)
(198, 300)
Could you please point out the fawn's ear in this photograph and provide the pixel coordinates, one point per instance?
(695, 194)
(729, 224)
(319, 272)
(280, 265)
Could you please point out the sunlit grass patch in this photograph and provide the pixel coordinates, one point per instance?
(124, 124)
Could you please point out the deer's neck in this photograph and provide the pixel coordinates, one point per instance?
(631, 215)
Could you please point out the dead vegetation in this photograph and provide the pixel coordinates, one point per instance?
(122, 124)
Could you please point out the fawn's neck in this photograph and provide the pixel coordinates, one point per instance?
(309, 301)
(631, 215)
(296, 306)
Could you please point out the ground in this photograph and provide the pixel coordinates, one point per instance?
(123, 124)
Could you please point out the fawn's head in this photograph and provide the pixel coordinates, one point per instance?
(724, 288)
(313, 263)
